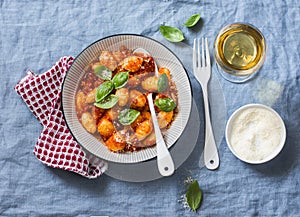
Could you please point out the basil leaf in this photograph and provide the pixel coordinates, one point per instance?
(194, 195)
(103, 90)
(107, 102)
(128, 116)
(165, 104)
(171, 33)
(103, 72)
(192, 21)
(163, 83)
(120, 79)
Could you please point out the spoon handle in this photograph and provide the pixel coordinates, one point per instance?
(164, 160)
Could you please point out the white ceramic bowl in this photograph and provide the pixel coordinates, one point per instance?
(163, 57)
(255, 133)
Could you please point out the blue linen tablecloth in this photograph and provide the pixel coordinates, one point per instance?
(35, 34)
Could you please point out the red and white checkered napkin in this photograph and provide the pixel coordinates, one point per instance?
(55, 146)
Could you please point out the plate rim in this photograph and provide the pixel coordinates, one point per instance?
(97, 41)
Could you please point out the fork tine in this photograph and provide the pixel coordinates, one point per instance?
(198, 52)
(201, 56)
(207, 53)
(202, 53)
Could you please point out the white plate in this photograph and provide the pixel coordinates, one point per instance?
(163, 57)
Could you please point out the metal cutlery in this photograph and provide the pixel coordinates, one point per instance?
(164, 159)
(202, 72)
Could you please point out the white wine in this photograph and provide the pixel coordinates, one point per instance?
(240, 49)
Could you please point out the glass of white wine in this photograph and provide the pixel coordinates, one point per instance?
(240, 51)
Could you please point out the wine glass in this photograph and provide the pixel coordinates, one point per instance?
(240, 51)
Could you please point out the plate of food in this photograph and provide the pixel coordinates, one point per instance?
(104, 98)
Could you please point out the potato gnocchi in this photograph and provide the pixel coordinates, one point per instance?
(117, 113)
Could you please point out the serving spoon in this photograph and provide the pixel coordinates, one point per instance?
(165, 162)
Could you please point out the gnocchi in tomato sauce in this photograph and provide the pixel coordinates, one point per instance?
(111, 100)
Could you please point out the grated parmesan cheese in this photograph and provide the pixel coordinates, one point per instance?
(256, 133)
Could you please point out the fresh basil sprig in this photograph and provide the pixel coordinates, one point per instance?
(128, 116)
(165, 104)
(172, 34)
(108, 102)
(194, 196)
(103, 90)
(103, 72)
(163, 83)
(120, 79)
(192, 21)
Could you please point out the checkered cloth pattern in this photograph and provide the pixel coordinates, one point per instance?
(55, 146)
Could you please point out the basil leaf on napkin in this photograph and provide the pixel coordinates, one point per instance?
(120, 79)
(192, 21)
(163, 83)
(107, 102)
(128, 116)
(165, 104)
(103, 90)
(172, 34)
(194, 195)
(103, 72)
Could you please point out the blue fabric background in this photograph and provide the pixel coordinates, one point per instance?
(35, 34)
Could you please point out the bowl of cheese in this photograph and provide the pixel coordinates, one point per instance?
(255, 133)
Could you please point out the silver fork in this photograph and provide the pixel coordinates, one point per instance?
(202, 71)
